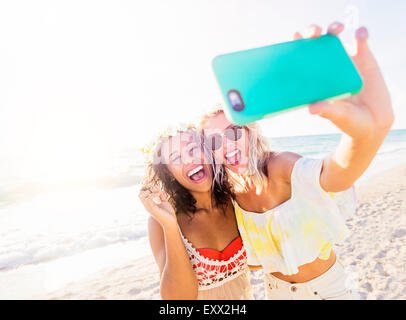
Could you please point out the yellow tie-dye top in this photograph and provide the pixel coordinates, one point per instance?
(301, 229)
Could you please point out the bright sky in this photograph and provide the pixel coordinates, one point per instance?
(82, 77)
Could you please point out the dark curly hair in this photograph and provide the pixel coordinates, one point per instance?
(180, 197)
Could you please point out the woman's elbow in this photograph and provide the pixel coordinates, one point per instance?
(385, 124)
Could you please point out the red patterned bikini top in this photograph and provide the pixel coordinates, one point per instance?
(212, 267)
(233, 247)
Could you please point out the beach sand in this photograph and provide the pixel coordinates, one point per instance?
(374, 253)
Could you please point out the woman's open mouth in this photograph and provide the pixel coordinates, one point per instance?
(233, 158)
(197, 174)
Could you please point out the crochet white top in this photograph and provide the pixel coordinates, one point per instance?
(303, 228)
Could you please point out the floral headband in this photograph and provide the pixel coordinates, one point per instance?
(150, 148)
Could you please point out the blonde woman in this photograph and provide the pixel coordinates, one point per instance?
(290, 209)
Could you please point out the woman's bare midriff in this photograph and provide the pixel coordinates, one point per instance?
(309, 271)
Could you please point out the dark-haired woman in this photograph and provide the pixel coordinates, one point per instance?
(192, 229)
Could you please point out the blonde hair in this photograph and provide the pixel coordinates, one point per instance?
(258, 154)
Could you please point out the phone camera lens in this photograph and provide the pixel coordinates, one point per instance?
(235, 100)
(237, 107)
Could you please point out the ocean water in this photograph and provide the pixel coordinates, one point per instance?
(52, 235)
(391, 153)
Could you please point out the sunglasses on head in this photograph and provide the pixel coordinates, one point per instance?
(215, 141)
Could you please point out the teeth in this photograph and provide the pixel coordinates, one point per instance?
(197, 169)
(231, 153)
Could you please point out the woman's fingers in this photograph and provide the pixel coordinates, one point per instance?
(364, 60)
(312, 31)
(163, 197)
(150, 200)
(146, 186)
(361, 35)
(297, 36)
(147, 194)
(351, 119)
(335, 28)
(335, 111)
(153, 193)
(154, 197)
(143, 194)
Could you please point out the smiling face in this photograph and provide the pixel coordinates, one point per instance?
(184, 157)
(229, 142)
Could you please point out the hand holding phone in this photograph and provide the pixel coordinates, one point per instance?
(266, 81)
(368, 115)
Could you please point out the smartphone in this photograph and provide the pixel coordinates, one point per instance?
(267, 81)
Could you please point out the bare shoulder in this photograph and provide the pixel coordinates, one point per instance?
(280, 164)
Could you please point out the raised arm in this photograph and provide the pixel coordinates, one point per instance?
(365, 119)
(178, 279)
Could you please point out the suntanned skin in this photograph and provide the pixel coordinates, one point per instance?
(209, 228)
(365, 119)
(279, 191)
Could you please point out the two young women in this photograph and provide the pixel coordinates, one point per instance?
(289, 210)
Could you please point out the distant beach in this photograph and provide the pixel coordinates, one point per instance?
(374, 253)
(90, 241)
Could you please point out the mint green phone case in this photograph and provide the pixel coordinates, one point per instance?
(285, 76)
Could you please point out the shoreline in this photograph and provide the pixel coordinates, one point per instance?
(374, 253)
